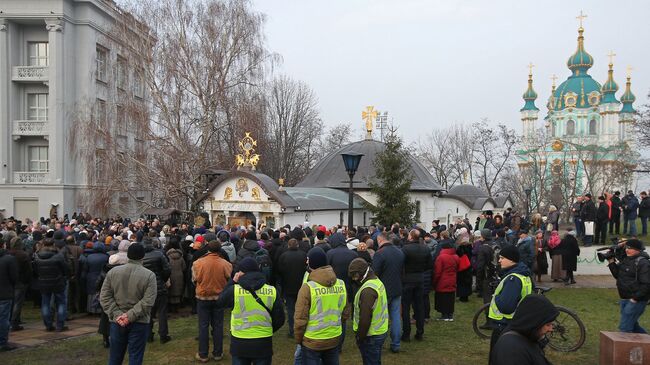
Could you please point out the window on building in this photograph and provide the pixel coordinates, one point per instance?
(418, 206)
(138, 84)
(122, 73)
(121, 120)
(101, 173)
(38, 159)
(101, 63)
(100, 113)
(139, 148)
(37, 106)
(592, 127)
(570, 128)
(37, 53)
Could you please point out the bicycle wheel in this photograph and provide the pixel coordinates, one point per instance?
(568, 331)
(480, 320)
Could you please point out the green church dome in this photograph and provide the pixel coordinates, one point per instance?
(628, 98)
(530, 95)
(610, 87)
(580, 61)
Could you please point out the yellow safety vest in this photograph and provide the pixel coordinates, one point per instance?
(248, 318)
(379, 323)
(526, 288)
(327, 304)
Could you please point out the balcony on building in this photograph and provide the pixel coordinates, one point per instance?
(23, 128)
(30, 74)
(31, 177)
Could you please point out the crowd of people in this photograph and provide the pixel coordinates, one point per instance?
(131, 274)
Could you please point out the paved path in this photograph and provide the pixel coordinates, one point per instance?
(582, 281)
(34, 333)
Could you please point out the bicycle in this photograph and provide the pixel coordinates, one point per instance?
(566, 327)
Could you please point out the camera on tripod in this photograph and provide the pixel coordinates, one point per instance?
(611, 252)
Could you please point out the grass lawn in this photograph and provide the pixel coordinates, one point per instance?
(444, 343)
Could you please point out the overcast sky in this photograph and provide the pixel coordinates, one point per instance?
(431, 63)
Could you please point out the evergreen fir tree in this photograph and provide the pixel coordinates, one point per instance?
(391, 185)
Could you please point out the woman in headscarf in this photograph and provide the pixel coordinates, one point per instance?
(464, 277)
(555, 250)
(541, 262)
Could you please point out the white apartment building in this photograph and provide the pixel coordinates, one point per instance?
(57, 60)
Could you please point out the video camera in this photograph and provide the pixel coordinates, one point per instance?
(615, 251)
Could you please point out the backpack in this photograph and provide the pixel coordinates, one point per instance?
(263, 259)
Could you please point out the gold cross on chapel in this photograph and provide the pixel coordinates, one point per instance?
(581, 17)
(369, 115)
(554, 77)
(629, 70)
(530, 68)
(611, 56)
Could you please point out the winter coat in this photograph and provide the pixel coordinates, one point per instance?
(588, 211)
(92, 263)
(484, 267)
(446, 267)
(130, 289)
(632, 277)
(527, 251)
(388, 264)
(644, 207)
(602, 214)
(617, 205)
(24, 264)
(177, 265)
(210, 273)
(630, 206)
(229, 249)
(367, 301)
(157, 262)
(324, 276)
(8, 275)
(510, 295)
(570, 252)
(248, 249)
(252, 347)
(417, 260)
(339, 259)
(519, 343)
(291, 269)
(51, 269)
(553, 218)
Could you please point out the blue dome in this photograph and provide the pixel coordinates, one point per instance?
(580, 86)
(628, 98)
(580, 61)
(610, 87)
(530, 95)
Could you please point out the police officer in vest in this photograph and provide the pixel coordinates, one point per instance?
(257, 312)
(514, 286)
(370, 317)
(320, 309)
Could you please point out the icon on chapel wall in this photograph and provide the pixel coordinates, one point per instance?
(248, 158)
(241, 187)
(256, 193)
(228, 193)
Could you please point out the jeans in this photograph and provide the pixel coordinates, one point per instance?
(60, 305)
(644, 225)
(394, 306)
(291, 309)
(19, 299)
(630, 314)
(160, 310)
(5, 315)
(370, 349)
(580, 228)
(326, 357)
(210, 316)
(297, 356)
(250, 361)
(412, 295)
(133, 336)
(631, 224)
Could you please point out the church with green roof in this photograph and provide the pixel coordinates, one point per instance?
(585, 143)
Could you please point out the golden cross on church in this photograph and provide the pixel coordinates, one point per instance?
(629, 70)
(581, 17)
(554, 77)
(611, 56)
(369, 115)
(530, 68)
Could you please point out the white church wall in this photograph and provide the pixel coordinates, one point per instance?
(448, 209)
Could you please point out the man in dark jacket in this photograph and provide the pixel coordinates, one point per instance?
(602, 220)
(52, 272)
(484, 265)
(339, 257)
(24, 278)
(417, 259)
(630, 207)
(588, 215)
(8, 281)
(521, 343)
(249, 279)
(632, 275)
(388, 264)
(291, 269)
(157, 262)
(644, 212)
(617, 207)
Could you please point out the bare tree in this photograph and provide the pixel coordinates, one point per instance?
(448, 154)
(493, 150)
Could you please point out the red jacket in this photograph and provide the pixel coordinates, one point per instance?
(446, 267)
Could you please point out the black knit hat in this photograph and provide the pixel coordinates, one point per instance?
(511, 253)
(135, 252)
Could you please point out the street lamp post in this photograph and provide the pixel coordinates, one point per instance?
(351, 161)
(528, 191)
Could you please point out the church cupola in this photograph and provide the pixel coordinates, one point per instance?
(530, 95)
(610, 87)
(580, 61)
(628, 98)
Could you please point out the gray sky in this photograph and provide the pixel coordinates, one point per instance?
(431, 63)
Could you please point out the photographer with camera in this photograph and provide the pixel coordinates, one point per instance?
(632, 273)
